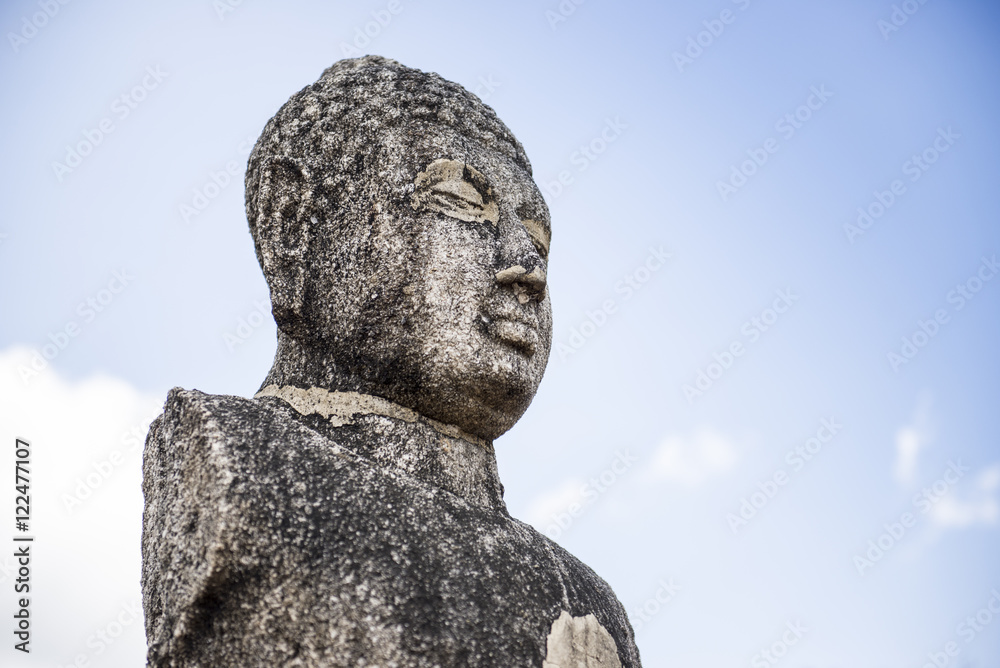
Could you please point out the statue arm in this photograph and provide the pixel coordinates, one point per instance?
(184, 536)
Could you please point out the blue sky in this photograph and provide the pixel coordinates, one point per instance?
(818, 109)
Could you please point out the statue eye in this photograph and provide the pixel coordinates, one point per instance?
(542, 250)
(457, 190)
(539, 235)
(462, 193)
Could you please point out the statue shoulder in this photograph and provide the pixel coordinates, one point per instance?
(211, 415)
(209, 462)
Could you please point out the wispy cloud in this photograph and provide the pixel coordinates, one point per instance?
(910, 440)
(549, 504)
(692, 459)
(980, 506)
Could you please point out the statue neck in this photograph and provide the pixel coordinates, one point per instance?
(396, 437)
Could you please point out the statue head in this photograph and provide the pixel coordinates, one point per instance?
(404, 243)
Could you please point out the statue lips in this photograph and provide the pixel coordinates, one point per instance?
(514, 326)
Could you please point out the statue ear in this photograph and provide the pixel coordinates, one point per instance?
(284, 208)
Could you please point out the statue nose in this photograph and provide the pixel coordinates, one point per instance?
(526, 284)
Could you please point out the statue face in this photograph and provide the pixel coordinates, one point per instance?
(404, 245)
(483, 320)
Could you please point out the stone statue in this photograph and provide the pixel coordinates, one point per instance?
(350, 514)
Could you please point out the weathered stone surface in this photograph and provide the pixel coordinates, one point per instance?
(304, 552)
(350, 514)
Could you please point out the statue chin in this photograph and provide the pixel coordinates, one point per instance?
(488, 393)
(485, 402)
(487, 417)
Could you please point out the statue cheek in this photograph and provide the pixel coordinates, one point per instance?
(544, 338)
(545, 318)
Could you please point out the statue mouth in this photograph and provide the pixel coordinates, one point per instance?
(519, 335)
(514, 326)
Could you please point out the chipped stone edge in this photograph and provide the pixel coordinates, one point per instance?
(341, 407)
(561, 639)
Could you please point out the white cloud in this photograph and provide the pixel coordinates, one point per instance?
(555, 511)
(87, 560)
(910, 440)
(692, 460)
(980, 506)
